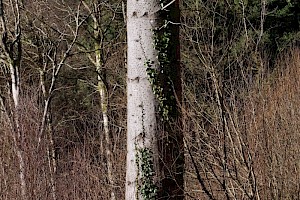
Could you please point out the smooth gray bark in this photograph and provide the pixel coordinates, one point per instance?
(141, 102)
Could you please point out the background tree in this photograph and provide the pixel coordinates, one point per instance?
(99, 39)
(11, 50)
(225, 53)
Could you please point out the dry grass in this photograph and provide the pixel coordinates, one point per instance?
(246, 149)
(251, 150)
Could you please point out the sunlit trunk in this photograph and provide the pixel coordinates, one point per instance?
(47, 125)
(155, 160)
(103, 93)
(141, 102)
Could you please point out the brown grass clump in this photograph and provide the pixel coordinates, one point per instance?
(248, 146)
(273, 118)
(242, 142)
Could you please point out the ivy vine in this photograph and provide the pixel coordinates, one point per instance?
(161, 87)
(161, 83)
(145, 168)
(146, 186)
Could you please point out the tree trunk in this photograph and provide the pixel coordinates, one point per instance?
(101, 86)
(153, 88)
(12, 60)
(47, 124)
(102, 89)
(141, 103)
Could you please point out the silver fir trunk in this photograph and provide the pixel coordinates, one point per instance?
(141, 102)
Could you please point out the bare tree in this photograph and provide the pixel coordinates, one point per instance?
(11, 49)
(53, 59)
(97, 43)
